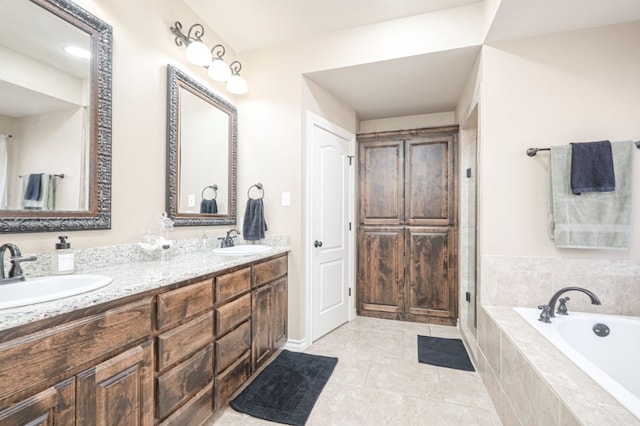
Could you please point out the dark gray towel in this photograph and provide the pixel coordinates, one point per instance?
(34, 187)
(592, 167)
(254, 225)
(208, 206)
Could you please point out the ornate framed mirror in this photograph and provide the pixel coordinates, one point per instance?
(55, 118)
(201, 153)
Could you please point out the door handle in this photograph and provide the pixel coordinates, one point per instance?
(317, 243)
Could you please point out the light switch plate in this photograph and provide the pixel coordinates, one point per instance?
(286, 199)
(191, 200)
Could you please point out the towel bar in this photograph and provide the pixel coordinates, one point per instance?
(61, 176)
(531, 152)
(256, 185)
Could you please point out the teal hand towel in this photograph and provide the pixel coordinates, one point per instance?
(595, 220)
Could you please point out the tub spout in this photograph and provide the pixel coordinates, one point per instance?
(595, 300)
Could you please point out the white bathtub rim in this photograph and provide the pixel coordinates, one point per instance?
(620, 393)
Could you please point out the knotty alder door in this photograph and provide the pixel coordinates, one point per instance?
(407, 225)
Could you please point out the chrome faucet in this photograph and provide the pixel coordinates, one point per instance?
(228, 240)
(15, 273)
(548, 309)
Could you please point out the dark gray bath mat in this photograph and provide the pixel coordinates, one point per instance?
(287, 389)
(442, 352)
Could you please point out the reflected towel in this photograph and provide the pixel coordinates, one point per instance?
(592, 167)
(34, 187)
(208, 207)
(596, 220)
(47, 194)
(254, 225)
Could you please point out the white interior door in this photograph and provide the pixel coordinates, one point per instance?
(331, 252)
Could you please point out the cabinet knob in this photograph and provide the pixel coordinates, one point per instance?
(317, 243)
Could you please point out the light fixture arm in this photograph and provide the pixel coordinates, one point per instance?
(235, 66)
(220, 51)
(195, 33)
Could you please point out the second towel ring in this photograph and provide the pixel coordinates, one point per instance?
(260, 187)
(214, 187)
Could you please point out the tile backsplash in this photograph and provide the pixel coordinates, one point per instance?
(531, 281)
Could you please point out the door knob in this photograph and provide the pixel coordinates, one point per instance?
(317, 243)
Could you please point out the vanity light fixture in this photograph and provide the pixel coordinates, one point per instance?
(236, 83)
(199, 54)
(78, 52)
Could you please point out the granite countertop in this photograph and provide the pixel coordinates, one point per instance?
(130, 279)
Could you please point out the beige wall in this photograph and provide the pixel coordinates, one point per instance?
(578, 86)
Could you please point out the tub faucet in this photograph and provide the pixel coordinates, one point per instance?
(548, 310)
(228, 240)
(15, 273)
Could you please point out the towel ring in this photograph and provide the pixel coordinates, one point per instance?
(260, 187)
(214, 187)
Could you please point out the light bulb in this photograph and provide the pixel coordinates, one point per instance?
(237, 85)
(198, 53)
(219, 70)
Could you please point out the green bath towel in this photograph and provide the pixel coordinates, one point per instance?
(595, 220)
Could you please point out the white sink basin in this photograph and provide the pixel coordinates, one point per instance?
(242, 250)
(44, 289)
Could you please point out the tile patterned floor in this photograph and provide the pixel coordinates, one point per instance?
(378, 381)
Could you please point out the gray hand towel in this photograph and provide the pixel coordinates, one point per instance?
(594, 220)
(592, 167)
(254, 225)
(208, 206)
(34, 187)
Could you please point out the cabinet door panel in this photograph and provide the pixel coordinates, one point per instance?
(280, 313)
(430, 281)
(118, 391)
(380, 270)
(381, 177)
(262, 333)
(53, 406)
(429, 180)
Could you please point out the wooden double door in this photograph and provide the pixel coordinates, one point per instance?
(407, 256)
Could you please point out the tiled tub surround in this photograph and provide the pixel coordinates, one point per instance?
(530, 381)
(133, 271)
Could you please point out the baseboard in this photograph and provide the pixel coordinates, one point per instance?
(296, 345)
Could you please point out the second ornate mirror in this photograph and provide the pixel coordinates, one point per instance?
(201, 154)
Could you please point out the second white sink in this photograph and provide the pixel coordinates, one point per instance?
(242, 250)
(44, 289)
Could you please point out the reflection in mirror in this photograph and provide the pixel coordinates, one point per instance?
(201, 154)
(55, 117)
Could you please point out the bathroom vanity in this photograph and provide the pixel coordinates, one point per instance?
(166, 355)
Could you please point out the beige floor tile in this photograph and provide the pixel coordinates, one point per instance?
(378, 381)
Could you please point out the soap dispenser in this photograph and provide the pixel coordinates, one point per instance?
(62, 259)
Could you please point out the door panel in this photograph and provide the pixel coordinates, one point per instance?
(429, 181)
(381, 183)
(430, 279)
(380, 270)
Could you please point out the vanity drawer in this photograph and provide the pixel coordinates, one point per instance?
(232, 346)
(230, 285)
(177, 305)
(184, 340)
(232, 378)
(184, 380)
(270, 270)
(195, 411)
(29, 360)
(229, 315)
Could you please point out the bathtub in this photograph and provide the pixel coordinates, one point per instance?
(610, 355)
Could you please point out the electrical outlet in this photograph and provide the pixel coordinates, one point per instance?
(286, 199)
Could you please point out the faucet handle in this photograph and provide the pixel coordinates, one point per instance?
(545, 315)
(562, 308)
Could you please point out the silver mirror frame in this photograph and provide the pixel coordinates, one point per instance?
(99, 214)
(176, 78)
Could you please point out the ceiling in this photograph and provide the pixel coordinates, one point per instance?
(407, 86)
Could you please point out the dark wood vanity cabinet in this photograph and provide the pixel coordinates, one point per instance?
(407, 185)
(77, 372)
(270, 306)
(165, 358)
